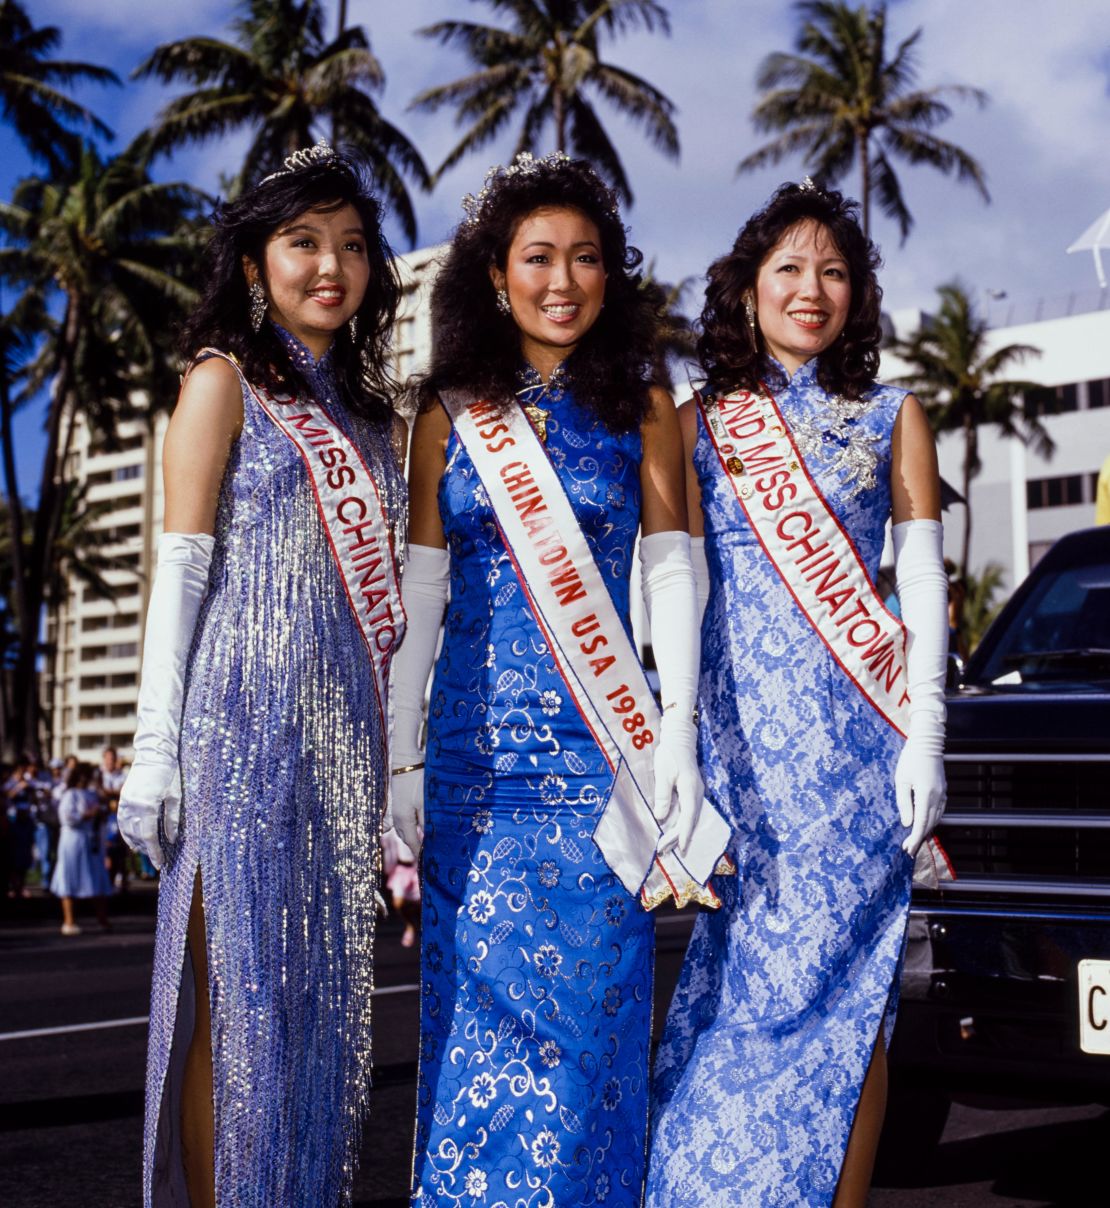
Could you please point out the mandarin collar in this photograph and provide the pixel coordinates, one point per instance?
(301, 355)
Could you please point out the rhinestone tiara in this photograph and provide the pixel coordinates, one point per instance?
(525, 164)
(308, 157)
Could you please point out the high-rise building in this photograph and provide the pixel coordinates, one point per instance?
(91, 675)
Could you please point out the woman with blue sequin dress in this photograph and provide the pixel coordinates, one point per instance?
(259, 778)
(536, 960)
(769, 1087)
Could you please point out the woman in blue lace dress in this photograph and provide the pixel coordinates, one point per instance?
(536, 978)
(259, 777)
(770, 1080)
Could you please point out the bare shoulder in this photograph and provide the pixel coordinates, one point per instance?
(211, 394)
(912, 431)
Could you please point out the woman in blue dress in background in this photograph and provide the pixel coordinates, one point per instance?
(536, 979)
(79, 870)
(770, 1081)
(259, 778)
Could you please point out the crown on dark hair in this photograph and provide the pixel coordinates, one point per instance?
(308, 157)
(523, 166)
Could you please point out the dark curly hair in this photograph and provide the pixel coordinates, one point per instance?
(477, 349)
(242, 228)
(732, 356)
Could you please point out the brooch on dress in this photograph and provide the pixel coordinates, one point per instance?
(857, 459)
(534, 390)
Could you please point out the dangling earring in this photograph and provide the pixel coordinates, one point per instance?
(749, 313)
(503, 302)
(352, 327)
(258, 305)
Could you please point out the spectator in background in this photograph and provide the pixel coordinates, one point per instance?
(46, 819)
(402, 878)
(80, 871)
(957, 598)
(1102, 494)
(108, 779)
(20, 790)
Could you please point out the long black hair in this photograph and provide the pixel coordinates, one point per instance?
(731, 355)
(242, 228)
(477, 348)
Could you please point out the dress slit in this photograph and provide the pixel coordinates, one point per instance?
(168, 1188)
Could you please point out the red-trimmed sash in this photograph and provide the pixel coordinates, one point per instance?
(572, 606)
(354, 522)
(816, 560)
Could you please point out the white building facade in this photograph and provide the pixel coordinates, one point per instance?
(92, 673)
(1023, 501)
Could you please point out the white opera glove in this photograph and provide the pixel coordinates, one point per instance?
(923, 597)
(152, 789)
(672, 608)
(424, 593)
(701, 573)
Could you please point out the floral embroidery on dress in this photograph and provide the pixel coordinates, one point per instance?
(537, 964)
(785, 988)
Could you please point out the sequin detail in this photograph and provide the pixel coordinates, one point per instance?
(281, 755)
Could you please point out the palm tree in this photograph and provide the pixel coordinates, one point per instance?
(980, 606)
(842, 102)
(282, 79)
(676, 344)
(549, 65)
(960, 384)
(41, 114)
(113, 253)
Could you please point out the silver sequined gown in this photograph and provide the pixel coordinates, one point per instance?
(282, 767)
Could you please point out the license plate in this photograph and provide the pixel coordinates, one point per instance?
(1094, 1006)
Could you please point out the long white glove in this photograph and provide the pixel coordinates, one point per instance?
(923, 597)
(152, 789)
(424, 593)
(672, 607)
(701, 573)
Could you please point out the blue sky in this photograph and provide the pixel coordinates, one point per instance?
(1042, 140)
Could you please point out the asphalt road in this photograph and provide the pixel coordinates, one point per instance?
(71, 1100)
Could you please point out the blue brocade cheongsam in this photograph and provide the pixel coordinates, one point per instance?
(536, 964)
(786, 988)
(283, 786)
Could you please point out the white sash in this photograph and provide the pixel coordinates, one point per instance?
(354, 522)
(588, 642)
(816, 560)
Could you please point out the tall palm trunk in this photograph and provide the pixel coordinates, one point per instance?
(560, 114)
(971, 454)
(27, 706)
(338, 34)
(8, 748)
(863, 140)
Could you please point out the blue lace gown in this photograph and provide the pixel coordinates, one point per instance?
(282, 769)
(785, 988)
(536, 964)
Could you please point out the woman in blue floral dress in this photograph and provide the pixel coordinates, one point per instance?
(769, 1086)
(536, 979)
